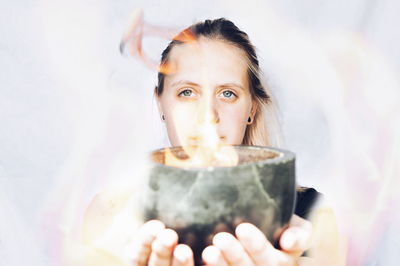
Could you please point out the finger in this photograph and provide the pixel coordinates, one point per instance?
(147, 234)
(259, 248)
(162, 248)
(212, 256)
(296, 238)
(231, 249)
(182, 256)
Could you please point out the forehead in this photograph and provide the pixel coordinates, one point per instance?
(208, 61)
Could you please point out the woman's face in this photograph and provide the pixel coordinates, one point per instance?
(208, 83)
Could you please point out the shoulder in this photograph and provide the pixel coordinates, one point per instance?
(306, 199)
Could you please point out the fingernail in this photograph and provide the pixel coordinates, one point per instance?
(167, 237)
(181, 253)
(222, 240)
(288, 240)
(244, 230)
(152, 228)
(210, 255)
(251, 235)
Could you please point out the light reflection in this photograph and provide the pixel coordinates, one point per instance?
(358, 93)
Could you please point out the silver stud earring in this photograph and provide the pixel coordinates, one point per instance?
(163, 117)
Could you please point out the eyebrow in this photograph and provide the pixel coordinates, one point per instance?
(187, 82)
(232, 85)
(184, 82)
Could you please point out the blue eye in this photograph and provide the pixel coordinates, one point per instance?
(228, 94)
(186, 93)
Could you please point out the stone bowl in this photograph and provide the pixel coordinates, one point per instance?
(200, 202)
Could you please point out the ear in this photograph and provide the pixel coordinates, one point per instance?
(253, 112)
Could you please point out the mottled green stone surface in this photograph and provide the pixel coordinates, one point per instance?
(200, 202)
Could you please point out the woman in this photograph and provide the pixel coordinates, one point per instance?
(210, 72)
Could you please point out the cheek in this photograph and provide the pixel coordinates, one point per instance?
(179, 122)
(233, 123)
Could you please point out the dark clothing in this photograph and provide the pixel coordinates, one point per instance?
(306, 200)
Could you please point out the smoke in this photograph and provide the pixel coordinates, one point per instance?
(77, 119)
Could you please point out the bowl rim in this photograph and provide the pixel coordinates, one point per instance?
(283, 157)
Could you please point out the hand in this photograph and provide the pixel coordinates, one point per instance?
(251, 247)
(157, 245)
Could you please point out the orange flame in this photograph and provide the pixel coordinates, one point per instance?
(208, 149)
(185, 36)
(138, 28)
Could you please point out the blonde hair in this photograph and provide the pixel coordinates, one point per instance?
(265, 129)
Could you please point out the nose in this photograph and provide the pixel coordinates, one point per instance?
(208, 112)
(214, 113)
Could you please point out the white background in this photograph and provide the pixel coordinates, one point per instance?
(70, 102)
